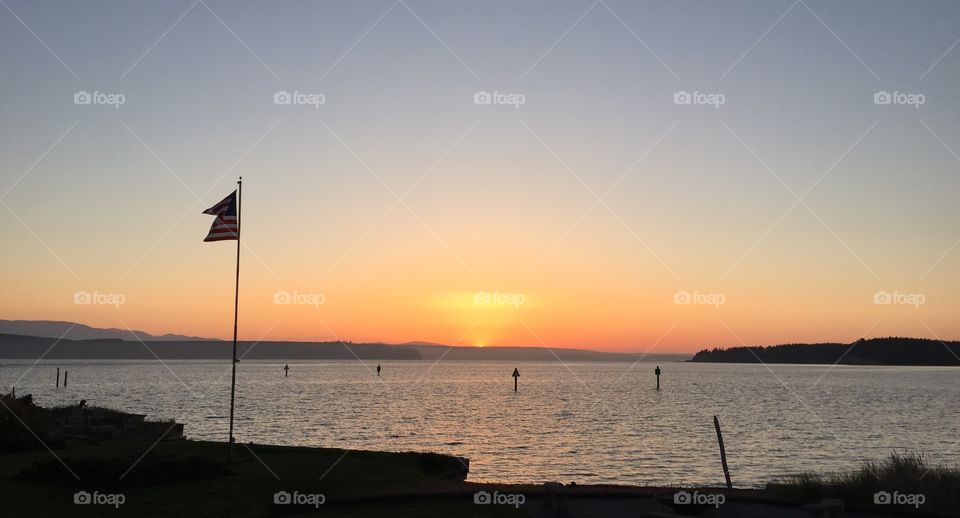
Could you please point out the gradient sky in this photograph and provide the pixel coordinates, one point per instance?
(492, 198)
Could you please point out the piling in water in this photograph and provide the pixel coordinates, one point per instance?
(723, 452)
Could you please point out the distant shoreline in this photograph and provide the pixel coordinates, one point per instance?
(20, 347)
(892, 351)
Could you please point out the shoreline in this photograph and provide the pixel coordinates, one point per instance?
(412, 480)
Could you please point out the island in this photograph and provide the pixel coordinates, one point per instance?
(874, 351)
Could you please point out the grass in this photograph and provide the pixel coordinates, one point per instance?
(177, 477)
(37, 484)
(20, 419)
(905, 474)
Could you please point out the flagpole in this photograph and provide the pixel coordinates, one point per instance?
(236, 304)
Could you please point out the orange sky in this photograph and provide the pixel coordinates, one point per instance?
(600, 212)
(573, 298)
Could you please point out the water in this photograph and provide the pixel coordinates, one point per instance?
(583, 422)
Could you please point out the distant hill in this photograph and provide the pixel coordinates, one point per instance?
(875, 351)
(29, 339)
(434, 351)
(19, 346)
(76, 331)
(34, 347)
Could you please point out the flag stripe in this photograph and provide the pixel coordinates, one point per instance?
(226, 224)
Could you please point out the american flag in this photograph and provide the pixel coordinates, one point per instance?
(225, 226)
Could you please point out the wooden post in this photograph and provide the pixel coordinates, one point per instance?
(516, 376)
(65, 377)
(657, 372)
(723, 452)
(58, 377)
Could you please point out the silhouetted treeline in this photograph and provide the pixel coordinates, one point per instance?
(876, 351)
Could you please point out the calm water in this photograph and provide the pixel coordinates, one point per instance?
(583, 422)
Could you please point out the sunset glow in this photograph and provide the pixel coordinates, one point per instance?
(582, 212)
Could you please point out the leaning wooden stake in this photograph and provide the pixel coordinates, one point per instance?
(723, 452)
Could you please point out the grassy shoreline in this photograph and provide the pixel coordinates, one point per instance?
(361, 483)
(905, 478)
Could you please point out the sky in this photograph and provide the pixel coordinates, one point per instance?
(625, 176)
